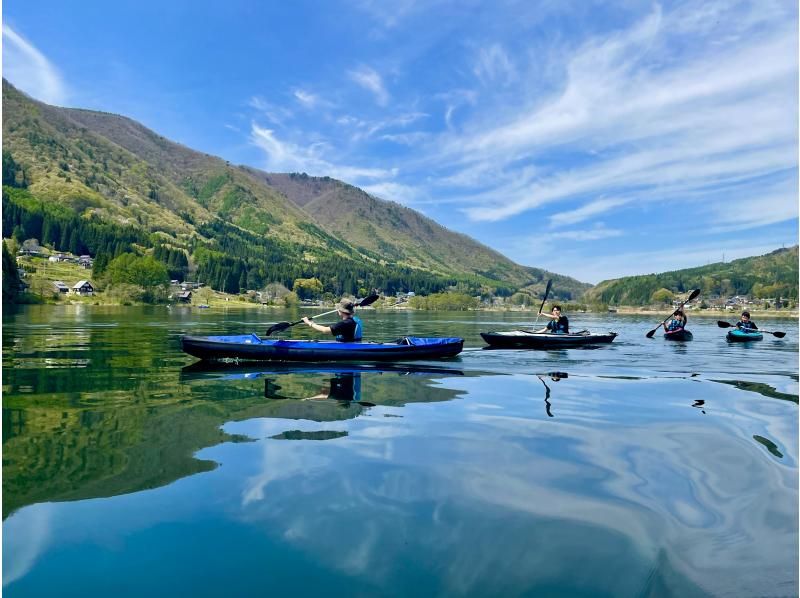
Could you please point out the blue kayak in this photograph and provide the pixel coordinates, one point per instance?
(250, 347)
(739, 335)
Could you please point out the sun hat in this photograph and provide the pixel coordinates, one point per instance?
(346, 307)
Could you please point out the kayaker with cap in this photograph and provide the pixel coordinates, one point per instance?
(745, 323)
(559, 325)
(678, 321)
(347, 330)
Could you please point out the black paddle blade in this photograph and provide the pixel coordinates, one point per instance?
(368, 300)
(694, 294)
(278, 327)
(547, 288)
(722, 324)
(779, 334)
(652, 333)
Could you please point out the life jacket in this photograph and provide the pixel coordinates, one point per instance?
(746, 325)
(675, 325)
(357, 333)
(558, 327)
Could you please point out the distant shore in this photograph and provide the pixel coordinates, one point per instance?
(219, 300)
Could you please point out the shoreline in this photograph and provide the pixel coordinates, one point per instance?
(217, 303)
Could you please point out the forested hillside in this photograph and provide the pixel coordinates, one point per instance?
(102, 184)
(768, 276)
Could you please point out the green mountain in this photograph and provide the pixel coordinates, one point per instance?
(767, 276)
(78, 178)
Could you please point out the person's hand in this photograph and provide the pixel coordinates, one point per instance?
(307, 320)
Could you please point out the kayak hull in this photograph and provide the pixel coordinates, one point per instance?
(679, 335)
(740, 336)
(519, 339)
(252, 348)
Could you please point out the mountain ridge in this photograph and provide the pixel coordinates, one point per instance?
(112, 168)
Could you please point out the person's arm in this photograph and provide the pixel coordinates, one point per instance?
(317, 327)
(753, 324)
(551, 316)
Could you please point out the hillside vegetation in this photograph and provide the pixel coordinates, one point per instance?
(768, 276)
(98, 183)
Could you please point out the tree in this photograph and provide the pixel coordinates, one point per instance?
(132, 269)
(11, 281)
(308, 288)
(662, 295)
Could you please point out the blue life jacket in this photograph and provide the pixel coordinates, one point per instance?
(675, 325)
(356, 334)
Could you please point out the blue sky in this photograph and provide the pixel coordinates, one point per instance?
(593, 139)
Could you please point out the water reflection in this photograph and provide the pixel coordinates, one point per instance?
(555, 377)
(135, 434)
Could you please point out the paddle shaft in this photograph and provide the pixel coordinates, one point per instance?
(546, 293)
(284, 325)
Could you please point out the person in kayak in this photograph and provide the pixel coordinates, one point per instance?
(746, 323)
(678, 322)
(559, 325)
(348, 330)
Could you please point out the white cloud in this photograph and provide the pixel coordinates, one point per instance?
(630, 117)
(277, 115)
(284, 156)
(29, 69)
(370, 80)
(309, 100)
(397, 192)
(594, 208)
(493, 66)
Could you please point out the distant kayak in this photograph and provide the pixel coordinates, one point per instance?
(520, 339)
(681, 334)
(739, 336)
(250, 347)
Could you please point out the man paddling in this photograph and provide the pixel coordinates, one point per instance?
(559, 325)
(678, 321)
(348, 330)
(746, 323)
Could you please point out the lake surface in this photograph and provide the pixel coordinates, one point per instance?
(639, 468)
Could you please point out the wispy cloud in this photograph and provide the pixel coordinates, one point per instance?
(630, 117)
(493, 66)
(30, 70)
(397, 192)
(586, 211)
(288, 157)
(371, 80)
(277, 115)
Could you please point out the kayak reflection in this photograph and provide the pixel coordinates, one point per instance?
(322, 392)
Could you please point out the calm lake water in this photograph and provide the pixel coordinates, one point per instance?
(639, 468)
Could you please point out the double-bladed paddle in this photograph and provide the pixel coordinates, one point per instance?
(693, 295)
(369, 300)
(722, 324)
(546, 293)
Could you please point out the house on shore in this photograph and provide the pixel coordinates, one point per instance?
(83, 287)
(60, 287)
(184, 297)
